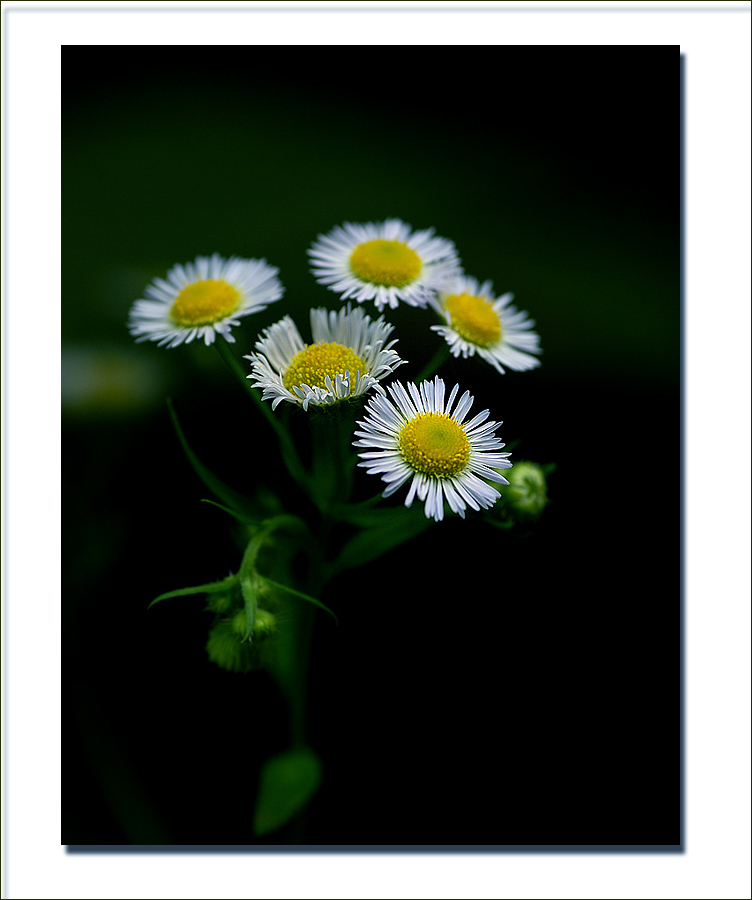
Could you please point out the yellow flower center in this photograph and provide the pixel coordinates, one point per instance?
(204, 302)
(389, 263)
(312, 365)
(435, 444)
(474, 319)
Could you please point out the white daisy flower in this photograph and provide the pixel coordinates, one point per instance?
(478, 323)
(203, 299)
(419, 438)
(349, 356)
(385, 262)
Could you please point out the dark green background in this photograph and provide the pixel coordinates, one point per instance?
(479, 689)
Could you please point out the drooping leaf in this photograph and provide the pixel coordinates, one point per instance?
(215, 587)
(287, 783)
(300, 595)
(371, 543)
(226, 494)
(241, 517)
(368, 515)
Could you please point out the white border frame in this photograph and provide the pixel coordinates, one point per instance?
(716, 43)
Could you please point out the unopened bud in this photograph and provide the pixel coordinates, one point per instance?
(239, 623)
(526, 496)
(227, 649)
(265, 623)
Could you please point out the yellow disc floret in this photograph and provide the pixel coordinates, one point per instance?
(388, 263)
(312, 365)
(204, 302)
(474, 319)
(435, 444)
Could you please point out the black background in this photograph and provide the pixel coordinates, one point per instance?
(481, 688)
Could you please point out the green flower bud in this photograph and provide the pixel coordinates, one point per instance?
(239, 623)
(265, 623)
(227, 649)
(525, 496)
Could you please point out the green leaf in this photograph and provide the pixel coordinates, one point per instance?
(213, 588)
(365, 515)
(301, 595)
(241, 517)
(287, 783)
(226, 494)
(371, 543)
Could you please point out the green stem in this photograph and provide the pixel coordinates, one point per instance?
(436, 361)
(331, 434)
(304, 618)
(248, 574)
(259, 539)
(289, 454)
(333, 458)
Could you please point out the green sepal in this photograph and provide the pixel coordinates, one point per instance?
(215, 587)
(226, 494)
(300, 595)
(401, 525)
(287, 783)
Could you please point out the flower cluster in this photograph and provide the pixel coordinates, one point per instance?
(413, 435)
(337, 374)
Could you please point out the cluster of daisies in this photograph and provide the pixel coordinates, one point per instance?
(413, 433)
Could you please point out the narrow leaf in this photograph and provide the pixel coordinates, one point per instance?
(226, 494)
(288, 781)
(371, 543)
(368, 515)
(301, 595)
(241, 517)
(213, 588)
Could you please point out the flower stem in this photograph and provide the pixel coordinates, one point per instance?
(289, 454)
(331, 434)
(436, 361)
